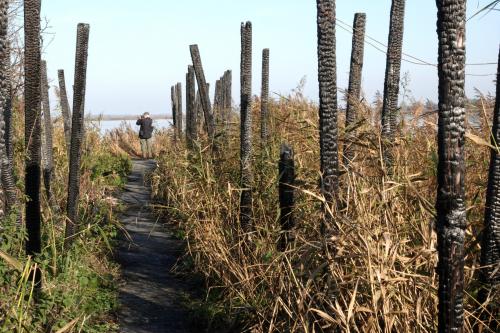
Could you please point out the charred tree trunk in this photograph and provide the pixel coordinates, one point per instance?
(450, 204)
(47, 151)
(32, 138)
(264, 98)
(286, 194)
(65, 110)
(178, 116)
(191, 123)
(4, 19)
(6, 151)
(8, 179)
(228, 95)
(173, 101)
(392, 75)
(77, 130)
(217, 103)
(354, 90)
(203, 90)
(490, 242)
(246, 214)
(327, 77)
(198, 111)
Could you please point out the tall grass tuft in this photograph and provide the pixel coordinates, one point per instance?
(377, 273)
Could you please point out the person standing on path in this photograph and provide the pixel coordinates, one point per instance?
(145, 134)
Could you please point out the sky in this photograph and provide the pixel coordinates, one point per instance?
(138, 49)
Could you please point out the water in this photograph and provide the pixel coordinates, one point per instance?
(108, 125)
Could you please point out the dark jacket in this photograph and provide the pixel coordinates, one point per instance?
(146, 130)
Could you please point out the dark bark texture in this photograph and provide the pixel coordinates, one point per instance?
(7, 174)
(246, 128)
(32, 114)
(203, 90)
(65, 109)
(226, 98)
(173, 100)
(178, 113)
(198, 110)
(217, 102)
(191, 121)
(327, 77)
(3, 91)
(228, 89)
(264, 98)
(47, 145)
(450, 204)
(490, 242)
(77, 129)
(286, 169)
(392, 76)
(354, 90)
(8, 178)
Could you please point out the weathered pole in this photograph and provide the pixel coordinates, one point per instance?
(354, 90)
(264, 99)
(47, 144)
(228, 90)
(286, 169)
(6, 151)
(191, 123)
(327, 77)
(217, 102)
(178, 115)
(392, 75)
(450, 203)
(173, 101)
(77, 130)
(490, 242)
(246, 214)
(65, 109)
(32, 137)
(203, 90)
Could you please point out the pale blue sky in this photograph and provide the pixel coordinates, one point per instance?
(138, 49)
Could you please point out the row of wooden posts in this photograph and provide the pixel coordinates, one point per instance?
(450, 203)
(39, 160)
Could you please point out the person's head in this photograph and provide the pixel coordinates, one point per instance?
(145, 115)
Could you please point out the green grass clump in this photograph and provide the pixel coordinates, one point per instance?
(79, 285)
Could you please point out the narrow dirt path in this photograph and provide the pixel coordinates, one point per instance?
(150, 294)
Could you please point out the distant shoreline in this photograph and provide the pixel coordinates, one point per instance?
(122, 117)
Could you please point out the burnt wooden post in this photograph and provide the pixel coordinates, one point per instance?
(47, 145)
(191, 123)
(246, 215)
(226, 100)
(173, 101)
(490, 241)
(32, 137)
(354, 90)
(178, 116)
(203, 89)
(217, 102)
(286, 169)
(6, 151)
(392, 76)
(264, 99)
(77, 130)
(450, 204)
(65, 109)
(327, 77)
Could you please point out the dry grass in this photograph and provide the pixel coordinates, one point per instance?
(374, 271)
